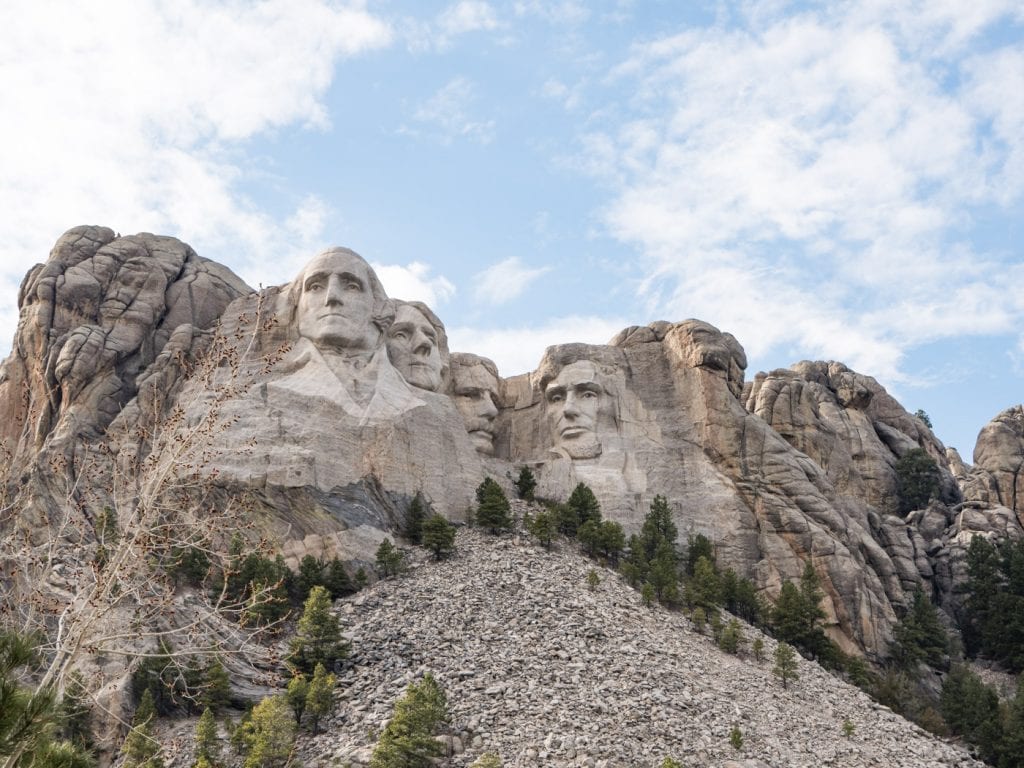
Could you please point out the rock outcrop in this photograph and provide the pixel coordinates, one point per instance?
(327, 415)
(93, 319)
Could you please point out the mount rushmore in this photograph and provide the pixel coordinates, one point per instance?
(331, 405)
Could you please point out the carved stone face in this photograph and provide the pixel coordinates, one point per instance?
(576, 405)
(336, 303)
(412, 347)
(475, 394)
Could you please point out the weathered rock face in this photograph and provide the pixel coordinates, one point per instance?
(93, 318)
(999, 460)
(329, 405)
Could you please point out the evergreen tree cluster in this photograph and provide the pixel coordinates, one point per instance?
(994, 625)
(973, 710)
(269, 590)
(31, 721)
(180, 684)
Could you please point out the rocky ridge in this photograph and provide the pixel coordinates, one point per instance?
(545, 672)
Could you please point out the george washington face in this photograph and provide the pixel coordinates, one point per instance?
(336, 302)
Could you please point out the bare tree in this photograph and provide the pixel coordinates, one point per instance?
(88, 546)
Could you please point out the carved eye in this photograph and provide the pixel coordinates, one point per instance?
(316, 285)
(556, 397)
(400, 335)
(352, 285)
(588, 395)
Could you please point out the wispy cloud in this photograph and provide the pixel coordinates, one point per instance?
(446, 117)
(808, 182)
(564, 12)
(505, 280)
(518, 350)
(413, 282)
(458, 19)
(133, 114)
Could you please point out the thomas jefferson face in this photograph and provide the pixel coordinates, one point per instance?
(412, 347)
(576, 402)
(336, 303)
(475, 392)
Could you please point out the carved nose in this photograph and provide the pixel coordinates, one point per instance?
(570, 408)
(334, 293)
(489, 410)
(421, 344)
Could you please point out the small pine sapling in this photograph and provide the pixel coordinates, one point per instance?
(758, 649)
(593, 579)
(736, 738)
(848, 727)
(785, 664)
(647, 594)
(699, 619)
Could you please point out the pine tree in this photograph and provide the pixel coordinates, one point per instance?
(269, 734)
(28, 719)
(318, 637)
(703, 588)
(493, 510)
(785, 664)
(525, 484)
(758, 649)
(736, 738)
(797, 615)
(389, 559)
(732, 639)
(542, 527)
(408, 739)
(593, 580)
(971, 709)
(320, 698)
(917, 480)
(663, 573)
(216, 694)
(295, 694)
(361, 579)
(207, 743)
(657, 527)
(140, 749)
(438, 536)
(584, 506)
(919, 635)
(414, 520)
(697, 547)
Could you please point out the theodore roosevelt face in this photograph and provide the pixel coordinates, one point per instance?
(413, 348)
(475, 391)
(336, 303)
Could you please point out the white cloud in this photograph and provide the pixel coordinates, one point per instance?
(505, 280)
(518, 350)
(413, 282)
(461, 18)
(565, 12)
(132, 114)
(445, 115)
(809, 182)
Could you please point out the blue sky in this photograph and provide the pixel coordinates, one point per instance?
(824, 180)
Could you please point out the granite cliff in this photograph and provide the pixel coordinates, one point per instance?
(327, 405)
